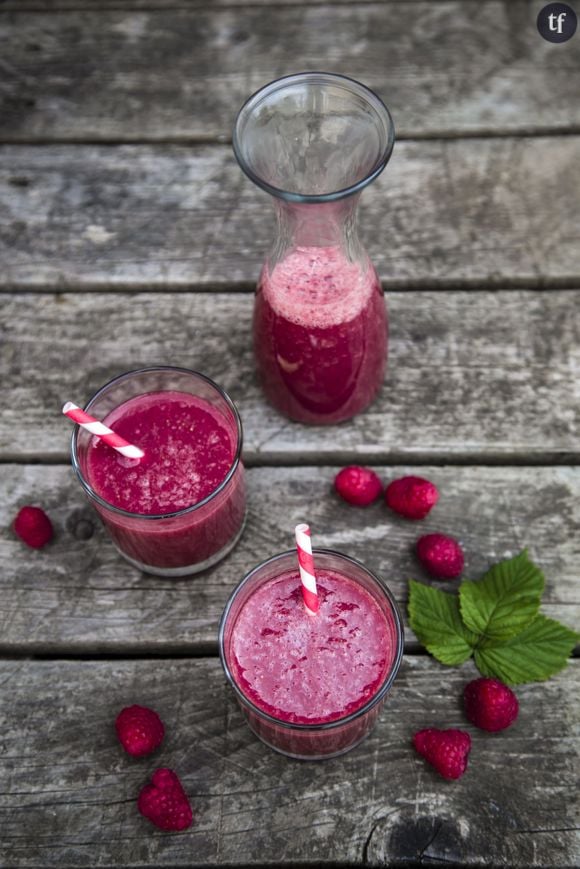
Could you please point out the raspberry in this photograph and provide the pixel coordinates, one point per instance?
(164, 802)
(490, 704)
(446, 750)
(357, 485)
(441, 556)
(140, 730)
(412, 497)
(33, 526)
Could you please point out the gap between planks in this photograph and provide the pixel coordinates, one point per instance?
(433, 285)
(545, 459)
(203, 651)
(448, 134)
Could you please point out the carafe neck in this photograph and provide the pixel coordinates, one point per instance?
(317, 225)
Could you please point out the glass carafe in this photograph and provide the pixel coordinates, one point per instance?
(314, 141)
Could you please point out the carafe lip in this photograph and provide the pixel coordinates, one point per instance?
(348, 83)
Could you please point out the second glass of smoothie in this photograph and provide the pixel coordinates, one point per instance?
(181, 508)
(311, 686)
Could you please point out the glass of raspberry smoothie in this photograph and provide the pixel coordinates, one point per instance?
(311, 687)
(314, 141)
(181, 508)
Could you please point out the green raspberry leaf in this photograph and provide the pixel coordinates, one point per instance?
(434, 617)
(535, 654)
(507, 599)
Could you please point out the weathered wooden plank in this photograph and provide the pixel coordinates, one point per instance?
(182, 73)
(68, 792)
(170, 5)
(445, 213)
(472, 376)
(78, 596)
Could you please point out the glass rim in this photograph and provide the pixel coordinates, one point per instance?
(345, 719)
(177, 513)
(372, 98)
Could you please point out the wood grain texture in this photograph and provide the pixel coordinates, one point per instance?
(474, 377)
(471, 376)
(178, 74)
(471, 212)
(65, 777)
(79, 596)
(171, 5)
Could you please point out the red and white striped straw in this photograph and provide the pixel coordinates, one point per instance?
(101, 431)
(306, 564)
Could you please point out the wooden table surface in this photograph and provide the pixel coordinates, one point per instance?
(129, 236)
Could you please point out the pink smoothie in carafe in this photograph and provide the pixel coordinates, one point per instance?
(308, 669)
(320, 335)
(189, 450)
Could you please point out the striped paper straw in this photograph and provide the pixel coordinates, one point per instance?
(306, 564)
(101, 431)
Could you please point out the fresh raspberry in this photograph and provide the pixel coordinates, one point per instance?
(412, 497)
(441, 556)
(490, 704)
(140, 730)
(446, 750)
(164, 802)
(357, 485)
(33, 526)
